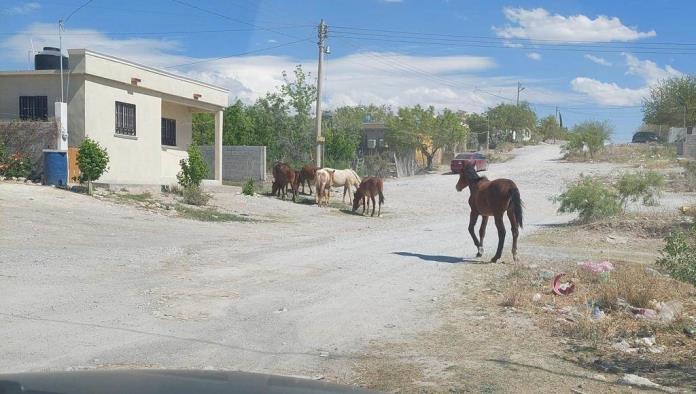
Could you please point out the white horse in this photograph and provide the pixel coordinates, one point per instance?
(345, 178)
(322, 183)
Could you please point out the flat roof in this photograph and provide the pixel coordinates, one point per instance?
(117, 60)
(81, 51)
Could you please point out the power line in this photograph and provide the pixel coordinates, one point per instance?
(657, 51)
(240, 54)
(77, 9)
(532, 40)
(154, 33)
(218, 14)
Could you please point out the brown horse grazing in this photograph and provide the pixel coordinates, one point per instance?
(284, 176)
(492, 198)
(306, 175)
(368, 189)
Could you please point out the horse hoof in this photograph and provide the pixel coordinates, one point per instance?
(478, 255)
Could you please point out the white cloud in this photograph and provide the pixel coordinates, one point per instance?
(534, 56)
(271, 41)
(599, 60)
(539, 24)
(610, 93)
(509, 44)
(21, 9)
(648, 70)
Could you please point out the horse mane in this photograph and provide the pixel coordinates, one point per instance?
(471, 173)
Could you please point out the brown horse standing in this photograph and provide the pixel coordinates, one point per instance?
(368, 189)
(492, 198)
(284, 176)
(307, 174)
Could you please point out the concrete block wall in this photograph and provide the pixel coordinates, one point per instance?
(690, 146)
(239, 163)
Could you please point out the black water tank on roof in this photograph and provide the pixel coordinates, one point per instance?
(49, 59)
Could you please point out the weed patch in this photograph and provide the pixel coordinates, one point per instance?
(209, 215)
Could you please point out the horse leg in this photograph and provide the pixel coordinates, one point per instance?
(310, 187)
(482, 233)
(365, 201)
(501, 237)
(472, 230)
(515, 231)
(345, 190)
(372, 197)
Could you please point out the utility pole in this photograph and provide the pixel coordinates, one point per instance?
(321, 35)
(519, 89)
(60, 41)
(488, 134)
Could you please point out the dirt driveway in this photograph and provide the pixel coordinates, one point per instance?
(91, 284)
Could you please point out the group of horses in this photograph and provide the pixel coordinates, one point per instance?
(487, 198)
(286, 179)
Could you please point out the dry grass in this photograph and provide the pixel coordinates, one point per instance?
(645, 155)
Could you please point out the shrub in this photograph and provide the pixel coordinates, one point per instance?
(646, 186)
(194, 169)
(679, 255)
(194, 195)
(590, 198)
(248, 188)
(17, 165)
(93, 160)
(592, 134)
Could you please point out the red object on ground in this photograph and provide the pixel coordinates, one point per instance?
(558, 287)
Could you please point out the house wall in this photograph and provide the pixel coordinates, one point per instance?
(134, 159)
(14, 85)
(171, 155)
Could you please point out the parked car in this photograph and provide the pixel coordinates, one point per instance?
(477, 159)
(644, 136)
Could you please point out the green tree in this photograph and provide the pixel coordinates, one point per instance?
(203, 128)
(420, 128)
(549, 128)
(299, 95)
(591, 134)
(670, 100)
(506, 118)
(93, 160)
(478, 126)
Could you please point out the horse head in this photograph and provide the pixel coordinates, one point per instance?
(467, 176)
(357, 199)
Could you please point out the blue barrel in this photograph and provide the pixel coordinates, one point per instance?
(55, 167)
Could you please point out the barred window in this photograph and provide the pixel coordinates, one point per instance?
(33, 107)
(125, 118)
(169, 132)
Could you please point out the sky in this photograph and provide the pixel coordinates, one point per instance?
(594, 60)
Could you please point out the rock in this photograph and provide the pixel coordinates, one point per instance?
(281, 310)
(614, 240)
(597, 314)
(668, 311)
(600, 377)
(324, 354)
(536, 298)
(635, 380)
(645, 342)
(624, 347)
(389, 325)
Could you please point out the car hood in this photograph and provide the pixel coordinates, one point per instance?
(163, 381)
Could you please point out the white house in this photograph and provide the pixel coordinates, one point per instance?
(142, 115)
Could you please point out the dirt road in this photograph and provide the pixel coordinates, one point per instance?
(91, 284)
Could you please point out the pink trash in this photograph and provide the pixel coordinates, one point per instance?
(597, 267)
(562, 288)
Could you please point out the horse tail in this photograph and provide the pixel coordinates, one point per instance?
(517, 205)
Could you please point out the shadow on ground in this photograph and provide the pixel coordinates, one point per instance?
(438, 258)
